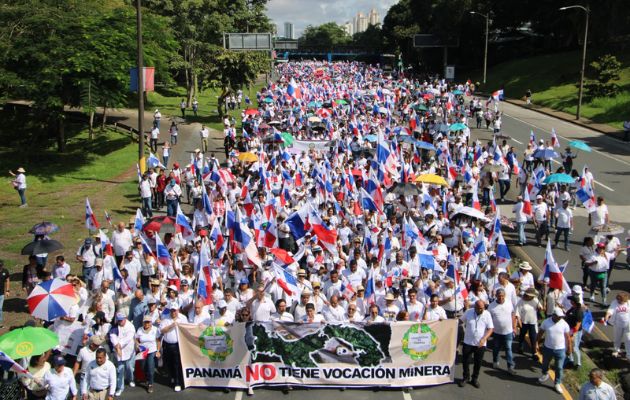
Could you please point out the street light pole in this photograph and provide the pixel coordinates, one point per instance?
(485, 51)
(140, 69)
(587, 10)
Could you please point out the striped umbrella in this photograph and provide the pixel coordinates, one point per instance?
(51, 299)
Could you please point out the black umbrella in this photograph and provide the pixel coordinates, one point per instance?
(41, 246)
(406, 189)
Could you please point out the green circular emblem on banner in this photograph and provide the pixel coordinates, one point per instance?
(419, 342)
(216, 343)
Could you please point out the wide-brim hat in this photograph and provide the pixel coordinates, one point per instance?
(21, 170)
(525, 265)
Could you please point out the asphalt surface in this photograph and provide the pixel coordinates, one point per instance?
(610, 164)
(611, 169)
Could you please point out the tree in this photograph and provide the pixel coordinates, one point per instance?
(325, 36)
(230, 70)
(61, 53)
(607, 70)
(371, 38)
(198, 23)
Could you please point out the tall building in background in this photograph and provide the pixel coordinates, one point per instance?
(288, 31)
(373, 17)
(361, 21)
(349, 27)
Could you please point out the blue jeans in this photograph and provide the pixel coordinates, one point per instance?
(148, 366)
(171, 207)
(522, 239)
(558, 356)
(565, 232)
(576, 356)
(1, 306)
(146, 207)
(165, 158)
(22, 194)
(501, 341)
(124, 370)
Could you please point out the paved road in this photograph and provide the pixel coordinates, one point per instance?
(494, 385)
(610, 164)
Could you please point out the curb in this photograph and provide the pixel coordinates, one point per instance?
(616, 134)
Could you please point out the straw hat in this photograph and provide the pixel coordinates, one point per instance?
(21, 170)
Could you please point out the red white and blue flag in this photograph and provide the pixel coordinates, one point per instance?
(551, 269)
(90, 219)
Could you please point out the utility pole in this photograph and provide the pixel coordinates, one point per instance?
(587, 10)
(140, 68)
(485, 52)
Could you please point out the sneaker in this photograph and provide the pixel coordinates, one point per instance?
(132, 384)
(615, 354)
(543, 378)
(495, 365)
(607, 290)
(250, 391)
(461, 383)
(178, 388)
(558, 388)
(150, 389)
(24, 205)
(475, 383)
(511, 371)
(118, 393)
(592, 298)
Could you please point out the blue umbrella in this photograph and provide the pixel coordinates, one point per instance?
(457, 92)
(406, 139)
(371, 138)
(559, 178)
(457, 127)
(580, 145)
(424, 145)
(268, 100)
(545, 154)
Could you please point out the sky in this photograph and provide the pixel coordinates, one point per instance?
(316, 12)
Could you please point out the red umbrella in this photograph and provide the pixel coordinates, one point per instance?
(251, 111)
(162, 224)
(427, 96)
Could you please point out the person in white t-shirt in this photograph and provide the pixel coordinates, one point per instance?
(434, 312)
(504, 321)
(564, 221)
(541, 219)
(557, 344)
(599, 217)
(527, 319)
(618, 315)
(478, 327)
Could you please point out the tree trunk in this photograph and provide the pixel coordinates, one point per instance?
(91, 126)
(193, 92)
(221, 102)
(61, 133)
(104, 121)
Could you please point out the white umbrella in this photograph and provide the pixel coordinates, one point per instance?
(471, 212)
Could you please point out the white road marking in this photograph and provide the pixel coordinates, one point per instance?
(560, 136)
(406, 395)
(596, 181)
(239, 395)
(517, 141)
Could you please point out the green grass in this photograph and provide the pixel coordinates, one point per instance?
(552, 79)
(167, 100)
(57, 185)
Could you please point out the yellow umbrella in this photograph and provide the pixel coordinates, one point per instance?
(248, 157)
(432, 179)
